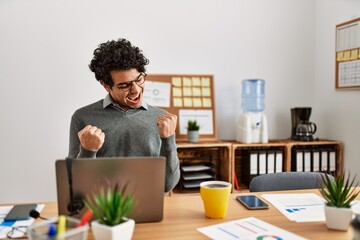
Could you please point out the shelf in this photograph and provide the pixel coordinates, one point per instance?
(286, 146)
(218, 153)
(227, 162)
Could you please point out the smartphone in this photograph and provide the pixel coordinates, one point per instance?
(252, 202)
(20, 212)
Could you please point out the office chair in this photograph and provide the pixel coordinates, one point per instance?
(285, 181)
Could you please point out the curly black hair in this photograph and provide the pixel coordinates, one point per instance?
(116, 55)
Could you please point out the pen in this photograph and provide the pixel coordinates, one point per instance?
(86, 218)
(52, 230)
(61, 225)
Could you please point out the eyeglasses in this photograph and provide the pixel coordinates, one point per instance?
(126, 86)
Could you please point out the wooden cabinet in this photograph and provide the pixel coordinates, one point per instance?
(229, 157)
(287, 148)
(216, 153)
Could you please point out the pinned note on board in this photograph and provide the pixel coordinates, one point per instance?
(177, 93)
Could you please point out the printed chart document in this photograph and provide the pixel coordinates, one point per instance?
(247, 228)
(157, 93)
(302, 207)
(203, 117)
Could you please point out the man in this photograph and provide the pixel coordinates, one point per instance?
(122, 124)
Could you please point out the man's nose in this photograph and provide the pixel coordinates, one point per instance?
(134, 87)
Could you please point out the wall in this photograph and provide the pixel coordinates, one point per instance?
(46, 47)
(337, 111)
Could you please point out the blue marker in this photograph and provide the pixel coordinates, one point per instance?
(52, 230)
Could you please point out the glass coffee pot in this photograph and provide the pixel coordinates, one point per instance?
(302, 128)
(306, 129)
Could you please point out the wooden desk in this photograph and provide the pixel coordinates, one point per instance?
(183, 214)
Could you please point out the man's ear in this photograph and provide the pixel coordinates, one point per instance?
(107, 88)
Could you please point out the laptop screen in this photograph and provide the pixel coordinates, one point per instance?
(144, 176)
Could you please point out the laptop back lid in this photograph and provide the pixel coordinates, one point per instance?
(144, 176)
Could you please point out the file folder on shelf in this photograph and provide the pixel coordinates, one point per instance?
(328, 160)
(324, 160)
(307, 160)
(278, 161)
(270, 161)
(249, 165)
(260, 161)
(316, 160)
(332, 160)
(253, 162)
(297, 161)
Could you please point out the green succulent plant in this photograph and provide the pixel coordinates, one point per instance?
(338, 190)
(193, 125)
(110, 204)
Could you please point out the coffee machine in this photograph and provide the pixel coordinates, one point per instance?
(301, 127)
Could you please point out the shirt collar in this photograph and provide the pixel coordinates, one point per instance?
(109, 101)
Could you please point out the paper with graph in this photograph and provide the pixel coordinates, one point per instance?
(247, 229)
(303, 207)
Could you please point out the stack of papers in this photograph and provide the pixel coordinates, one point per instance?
(247, 229)
(303, 207)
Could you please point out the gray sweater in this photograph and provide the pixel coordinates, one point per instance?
(127, 133)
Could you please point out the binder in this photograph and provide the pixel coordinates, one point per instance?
(332, 160)
(249, 166)
(253, 163)
(324, 160)
(278, 161)
(262, 162)
(299, 160)
(316, 160)
(270, 161)
(307, 160)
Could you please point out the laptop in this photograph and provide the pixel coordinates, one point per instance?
(145, 178)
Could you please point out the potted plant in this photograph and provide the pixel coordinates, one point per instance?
(111, 207)
(193, 131)
(338, 192)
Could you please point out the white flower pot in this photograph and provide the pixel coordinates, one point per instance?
(338, 218)
(123, 231)
(193, 136)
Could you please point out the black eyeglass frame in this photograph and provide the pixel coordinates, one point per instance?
(127, 86)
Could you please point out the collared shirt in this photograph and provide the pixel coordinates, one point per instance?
(109, 101)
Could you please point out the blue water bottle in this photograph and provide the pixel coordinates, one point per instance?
(253, 94)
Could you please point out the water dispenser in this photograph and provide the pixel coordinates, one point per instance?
(252, 123)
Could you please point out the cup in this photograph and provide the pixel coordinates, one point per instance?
(215, 196)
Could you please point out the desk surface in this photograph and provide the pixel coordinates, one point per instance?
(183, 214)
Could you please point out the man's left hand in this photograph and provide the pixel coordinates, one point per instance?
(167, 124)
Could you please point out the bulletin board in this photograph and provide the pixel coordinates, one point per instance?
(348, 55)
(190, 97)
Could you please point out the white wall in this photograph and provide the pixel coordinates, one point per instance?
(337, 111)
(46, 45)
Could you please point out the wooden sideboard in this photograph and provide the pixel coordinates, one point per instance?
(227, 156)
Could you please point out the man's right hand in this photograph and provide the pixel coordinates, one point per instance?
(91, 138)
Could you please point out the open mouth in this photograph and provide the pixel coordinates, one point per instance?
(134, 99)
